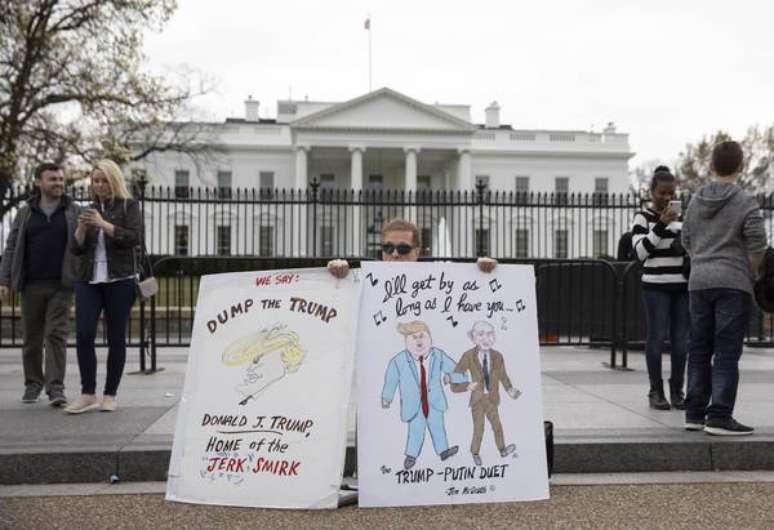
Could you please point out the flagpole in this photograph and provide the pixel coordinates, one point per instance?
(369, 53)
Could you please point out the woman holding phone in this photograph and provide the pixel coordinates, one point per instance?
(107, 234)
(656, 242)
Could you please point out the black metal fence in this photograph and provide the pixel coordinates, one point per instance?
(582, 300)
(322, 222)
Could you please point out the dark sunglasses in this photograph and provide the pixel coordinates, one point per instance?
(402, 248)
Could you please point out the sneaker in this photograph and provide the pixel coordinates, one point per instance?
(508, 449)
(31, 393)
(108, 404)
(477, 459)
(56, 398)
(84, 403)
(409, 462)
(694, 425)
(730, 427)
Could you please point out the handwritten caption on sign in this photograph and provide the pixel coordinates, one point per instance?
(452, 476)
(239, 445)
(441, 294)
(295, 304)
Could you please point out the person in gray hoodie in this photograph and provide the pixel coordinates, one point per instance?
(725, 237)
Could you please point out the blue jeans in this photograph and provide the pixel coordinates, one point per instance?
(116, 300)
(666, 311)
(719, 319)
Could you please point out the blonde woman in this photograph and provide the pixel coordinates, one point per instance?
(107, 234)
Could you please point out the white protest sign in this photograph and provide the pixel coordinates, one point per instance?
(449, 393)
(262, 419)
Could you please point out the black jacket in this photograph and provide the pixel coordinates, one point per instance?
(12, 267)
(126, 217)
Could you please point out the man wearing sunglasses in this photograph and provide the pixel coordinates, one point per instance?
(401, 241)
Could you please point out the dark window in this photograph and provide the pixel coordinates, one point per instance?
(522, 243)
(561, 190)
(223, 236)
(482, 242)
(224, 184)
(266, 243)
(560, 243)
(600, 243)
(266, 181)
(327, 240)
(182, 184)
(601, 191)
(181, 240)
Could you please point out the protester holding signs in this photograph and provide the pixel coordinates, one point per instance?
(401, 241)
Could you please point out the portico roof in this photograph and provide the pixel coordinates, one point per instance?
(384, 110)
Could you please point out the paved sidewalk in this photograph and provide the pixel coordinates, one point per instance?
(602, 422)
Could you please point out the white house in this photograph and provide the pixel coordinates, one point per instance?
(383, 140)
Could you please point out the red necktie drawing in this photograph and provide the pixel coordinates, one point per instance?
(423, 387)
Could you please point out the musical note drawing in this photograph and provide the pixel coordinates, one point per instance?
(495, 285)
(379, 318)
(520, 305)
(450, 318)
(385, 470)
(371, 278)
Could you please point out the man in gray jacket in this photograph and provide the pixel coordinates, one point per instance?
(725, 237)
(36, 264)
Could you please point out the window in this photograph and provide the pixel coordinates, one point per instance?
(561, 189)
(223, 240)
(266, 179)
(522, 190)
(327, 240)
(521, 249)
(599, 243)
(426, 233)
(482, 242)
(601, 190)
(182, 184)
(266, 183)
(424, 193)
(560, 243)
(181, 240)
(327, 180)
(224, 184)
(375, 181)
(266, 242)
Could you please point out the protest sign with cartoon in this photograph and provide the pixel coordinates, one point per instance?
(262, 419)
(449, 394)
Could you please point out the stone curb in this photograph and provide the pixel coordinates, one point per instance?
(150, 464)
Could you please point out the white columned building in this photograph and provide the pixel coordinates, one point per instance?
(385, 140)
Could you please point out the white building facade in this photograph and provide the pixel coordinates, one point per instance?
(384, 140)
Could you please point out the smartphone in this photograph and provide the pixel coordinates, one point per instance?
(676, 206)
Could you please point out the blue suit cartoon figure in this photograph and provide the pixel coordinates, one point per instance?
(417, 372)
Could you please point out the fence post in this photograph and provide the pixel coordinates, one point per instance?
(141, 185)
(480, 187)
(315, 187)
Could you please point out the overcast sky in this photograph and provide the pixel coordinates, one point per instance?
(666, 72)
